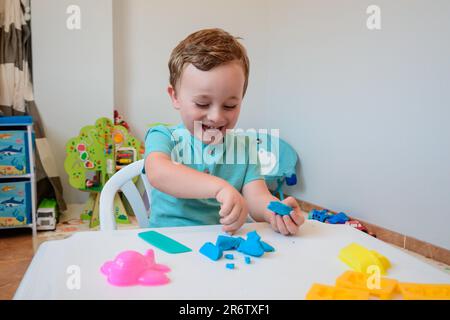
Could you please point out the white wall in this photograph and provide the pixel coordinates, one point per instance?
(73, 72)
(371, 108)
(145, 32)
(366, 110)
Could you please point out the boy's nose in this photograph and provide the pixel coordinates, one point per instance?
(214, 114)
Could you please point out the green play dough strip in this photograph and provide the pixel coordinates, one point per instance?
(163, 242)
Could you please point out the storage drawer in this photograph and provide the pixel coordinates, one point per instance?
(13, 153)
(15, 203)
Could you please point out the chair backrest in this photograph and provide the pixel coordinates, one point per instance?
(123, 181)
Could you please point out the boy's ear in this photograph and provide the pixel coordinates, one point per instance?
(173, 97)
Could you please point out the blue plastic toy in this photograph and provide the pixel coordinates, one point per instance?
(339, 218)
(279, 208)
(229, 256)
(230, 265)
(321, 215)
(211, 251)
(247, 260)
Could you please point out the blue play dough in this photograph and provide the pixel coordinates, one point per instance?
(228, 243)
(211, 251)
(252, 246)
(279, 208)
(230, 265)
(247, 260)
(267, 247)
(229, 256)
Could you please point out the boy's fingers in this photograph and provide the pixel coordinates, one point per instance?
(226, 208)
(233, 216)
(297, 218)
(290, 201)
(290, 225)
(281, 226)
(273, 222)
(236, 224)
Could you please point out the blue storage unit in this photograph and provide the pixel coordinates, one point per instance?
(17, 178)
(15, 203)
(14, 154)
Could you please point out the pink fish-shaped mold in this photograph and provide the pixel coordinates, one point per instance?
(132, 268)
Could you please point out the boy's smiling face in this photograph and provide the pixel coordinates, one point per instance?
(211, 97)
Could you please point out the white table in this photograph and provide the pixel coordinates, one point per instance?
(287, 273)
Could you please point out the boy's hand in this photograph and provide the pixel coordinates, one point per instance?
(288, 224)
(234, 210)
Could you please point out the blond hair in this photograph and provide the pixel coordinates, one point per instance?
(206, 49)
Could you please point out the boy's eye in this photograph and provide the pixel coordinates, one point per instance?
(200, 105)
(230, 107)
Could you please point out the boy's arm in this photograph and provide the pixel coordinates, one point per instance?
(179, 180)
(258, 198)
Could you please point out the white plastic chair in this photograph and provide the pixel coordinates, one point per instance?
(122, 180)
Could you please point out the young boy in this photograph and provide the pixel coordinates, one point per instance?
(209, 73)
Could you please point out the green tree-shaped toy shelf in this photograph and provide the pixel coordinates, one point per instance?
(93, 157)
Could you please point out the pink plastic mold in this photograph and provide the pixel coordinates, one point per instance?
(132, 268)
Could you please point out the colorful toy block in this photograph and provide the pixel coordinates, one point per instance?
(362, 281)
(417, 291)
(360, 259)
(339, 218)
(321, 215)
(324, 292)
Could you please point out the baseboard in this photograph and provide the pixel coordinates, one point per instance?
(423, 248)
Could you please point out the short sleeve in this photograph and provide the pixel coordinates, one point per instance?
(254, 166)
(159, 139)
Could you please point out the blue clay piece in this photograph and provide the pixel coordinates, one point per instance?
(229, 256)
(279, 208)
(211, 251)
(251, 247)
(230, 265)
(247, 260)
(253, 236)
(228, 243)
(267, 247)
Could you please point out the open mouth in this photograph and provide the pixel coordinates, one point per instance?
(206, 128)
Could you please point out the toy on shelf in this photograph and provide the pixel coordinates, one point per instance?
(131, 268)
(92, 158)
(361, 259)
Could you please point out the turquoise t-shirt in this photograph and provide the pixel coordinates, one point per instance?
(235, 160)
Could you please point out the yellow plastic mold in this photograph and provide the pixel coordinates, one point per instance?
(360, 259)
(417, 291)
(324, 292)
(362, 281)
